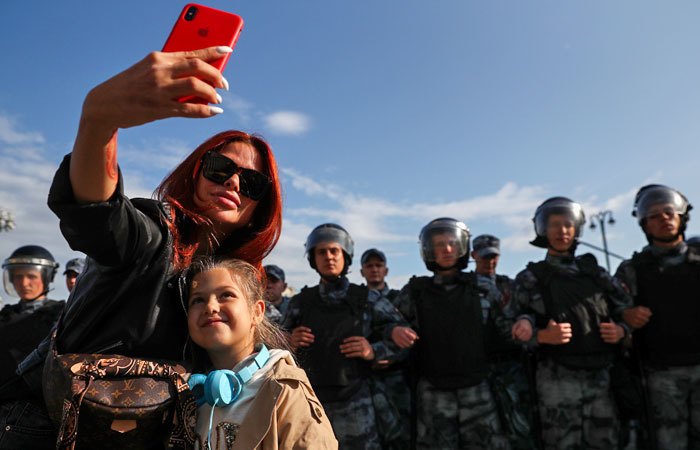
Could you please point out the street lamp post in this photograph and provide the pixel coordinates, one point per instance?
(601, 218)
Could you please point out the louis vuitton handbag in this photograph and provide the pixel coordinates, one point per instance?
(117, 402)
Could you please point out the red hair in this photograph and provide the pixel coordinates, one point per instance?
(254, 240)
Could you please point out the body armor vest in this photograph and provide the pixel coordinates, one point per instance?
(578, 299)
(333, 376)
(21, 332)
(672, 335)
(451, 352)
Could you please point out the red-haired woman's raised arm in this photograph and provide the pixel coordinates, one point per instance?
(145, 92)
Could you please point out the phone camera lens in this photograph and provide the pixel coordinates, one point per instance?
(191, 12)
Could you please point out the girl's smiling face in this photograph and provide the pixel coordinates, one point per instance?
(220, 318)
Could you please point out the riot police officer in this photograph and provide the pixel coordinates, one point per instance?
(339, 334)
(454, 404)
(664, 281)
(571, 303)
(390, 393)
(508, 374)
(27, 274)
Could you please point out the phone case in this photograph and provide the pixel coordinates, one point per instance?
(206, 27)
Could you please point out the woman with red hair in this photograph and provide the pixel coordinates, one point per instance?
(223, 199)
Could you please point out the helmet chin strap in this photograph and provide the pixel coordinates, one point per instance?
(446, 269)
(665, 240)
(46, 291)
(334, 278)
(571, 250)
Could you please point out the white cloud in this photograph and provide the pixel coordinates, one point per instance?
(241, 107)
(162, 154)
(520, 237)
(287, 122)
(10, 135)
(365, 214)
(289, 254)
(308, 185)
(508, 200)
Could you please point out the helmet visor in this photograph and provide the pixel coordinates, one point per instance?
(658, 200)
(442, 245)
(330, 234)
(24, 280)
(562, 207)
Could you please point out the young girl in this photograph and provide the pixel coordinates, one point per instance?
(276, 409)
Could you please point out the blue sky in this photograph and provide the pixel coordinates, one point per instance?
(383, 115)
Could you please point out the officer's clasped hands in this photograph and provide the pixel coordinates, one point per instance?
(555, 333)
(611, 332)
(357, 347)
(404, 337)
(302, 337)
(522, 330)
(637, 317)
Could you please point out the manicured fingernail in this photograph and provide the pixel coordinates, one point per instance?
(215, 110)
(225, 81)
(224, 49)
(219, 100)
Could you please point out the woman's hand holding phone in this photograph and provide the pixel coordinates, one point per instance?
(149, 90)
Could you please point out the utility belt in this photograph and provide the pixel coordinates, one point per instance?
(671, 361)
(589, 361)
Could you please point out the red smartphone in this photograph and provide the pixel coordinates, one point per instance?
(200, 27)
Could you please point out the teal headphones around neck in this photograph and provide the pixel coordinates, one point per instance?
(223, 387)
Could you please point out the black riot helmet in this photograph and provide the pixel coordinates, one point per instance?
(459, 235)
(658, 194)
(330, 232)
(557, 205)
(31, 257)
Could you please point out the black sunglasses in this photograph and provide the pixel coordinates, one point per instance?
(218, 168)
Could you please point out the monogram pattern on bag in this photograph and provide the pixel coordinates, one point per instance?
(117, 387)
(129, 392)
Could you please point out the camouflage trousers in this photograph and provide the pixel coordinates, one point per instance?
(464, 418)
(353, 421)
(392, 405)
(576, 407)
(509, 385)
(675, 400)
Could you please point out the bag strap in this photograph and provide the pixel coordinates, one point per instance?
(124, 366)
(182, 435)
